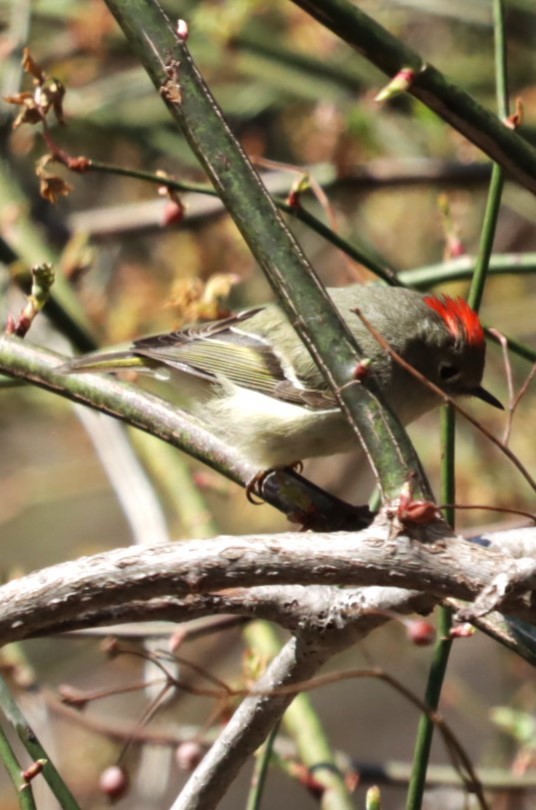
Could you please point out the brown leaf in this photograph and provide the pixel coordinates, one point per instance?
(19, 98)
(52, 187)
(57, 93)
(30, 114)
(30, 66)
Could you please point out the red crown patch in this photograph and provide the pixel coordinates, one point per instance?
(462, 321)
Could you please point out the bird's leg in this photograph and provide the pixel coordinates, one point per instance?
(254, 485)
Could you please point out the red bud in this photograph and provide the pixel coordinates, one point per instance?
(188, 755)
(464, 630)
(182, 30)
(173, 213)
(420, 632)
(361, 370)
(398, 84)
(114, 782)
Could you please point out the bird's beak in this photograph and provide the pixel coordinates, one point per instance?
(485, 396)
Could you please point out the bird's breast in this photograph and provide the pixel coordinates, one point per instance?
(272, 433)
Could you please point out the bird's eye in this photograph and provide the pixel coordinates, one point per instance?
(447, 372)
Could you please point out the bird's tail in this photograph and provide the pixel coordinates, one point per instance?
(102, 362)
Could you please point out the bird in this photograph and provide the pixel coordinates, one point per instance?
(251, 381)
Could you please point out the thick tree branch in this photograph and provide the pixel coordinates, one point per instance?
(292, 607)
(325, 620)
(439, 565)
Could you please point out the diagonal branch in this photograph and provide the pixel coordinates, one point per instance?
(505, 146)
(166, 58)
(287, 491)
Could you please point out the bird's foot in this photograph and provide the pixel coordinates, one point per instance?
(255, 485)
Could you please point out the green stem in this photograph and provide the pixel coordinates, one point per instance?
(298, 212)
(430, 86)
(29, 740)
(425, 731)
(448, 494)
(150, 177)
(436, 676)
(463, 267)
(260, 772)
(448, 445)
(489, 227)
(420, 277)
(24, 790)
(493, 203)
(356, 253)
(501, 60)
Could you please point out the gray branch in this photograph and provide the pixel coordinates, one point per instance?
(439, 565)
(178, 581)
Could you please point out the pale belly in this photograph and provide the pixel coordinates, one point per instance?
(271, 433)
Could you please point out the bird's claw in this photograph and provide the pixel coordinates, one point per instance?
(255, 484)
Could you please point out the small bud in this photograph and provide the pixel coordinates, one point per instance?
(420, 632)
(373, 800)
(415, 511)
(464, 630)
(309, 781)
(34, 770)
(182, 30)
(362, 369)
(110, 646)
(352, 780)
(42, 281)
(188, 755)
(301, 185)
(114, 782)
(399, 84)
(173, 213)
(454, 247)
(175, 209)
(293, 199)
(419, 512)
(80, 164)
(516, 119)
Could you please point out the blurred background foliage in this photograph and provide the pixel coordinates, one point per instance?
(296, 95)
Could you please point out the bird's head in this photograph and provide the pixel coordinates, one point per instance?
(453, 333)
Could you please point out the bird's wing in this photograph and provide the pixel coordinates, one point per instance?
(226, 350)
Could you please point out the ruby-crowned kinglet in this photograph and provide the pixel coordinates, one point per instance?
(258, 388)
